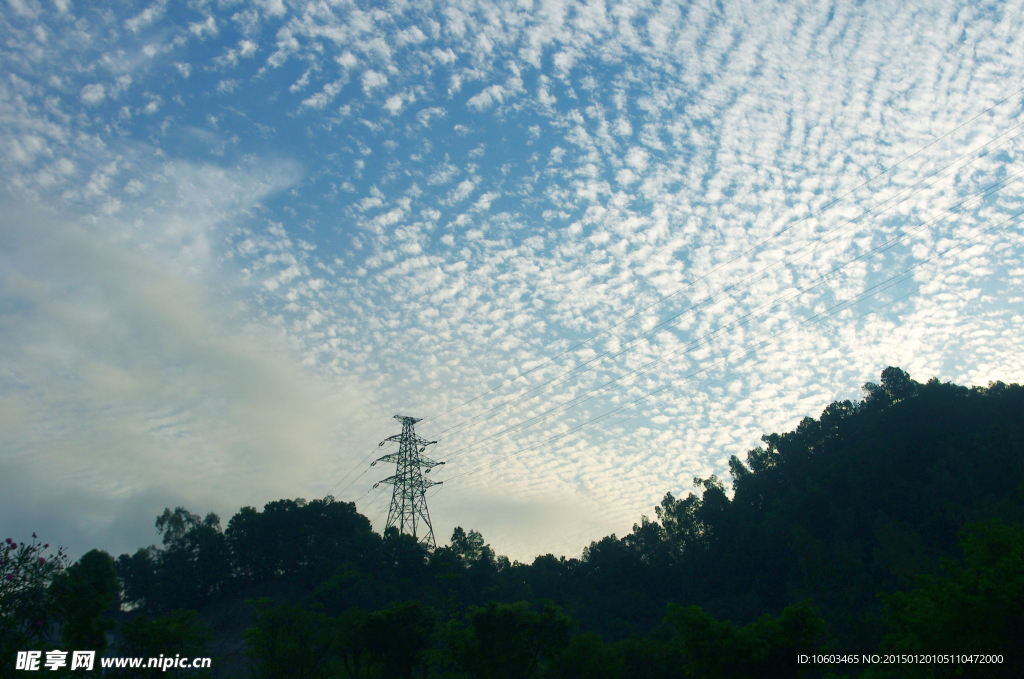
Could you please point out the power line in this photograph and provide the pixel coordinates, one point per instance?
(360, 464)
(589, 393)
(707, 303)
(838, 308)
(703, 370)
(366, 509)
(753, 249)
(350, 483)
(734, 259)
(362, 444)
(870, 292)
(687, 378)
(604, 427)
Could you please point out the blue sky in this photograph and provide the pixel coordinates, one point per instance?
(238, 237)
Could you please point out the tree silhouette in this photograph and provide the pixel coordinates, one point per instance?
(510, 641)
(84, 592)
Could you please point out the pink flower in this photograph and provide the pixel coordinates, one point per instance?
(10, 576)
(9, 541)
(46, 546)
(41, 561)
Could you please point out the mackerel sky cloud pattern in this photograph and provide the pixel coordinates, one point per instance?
(238, 236)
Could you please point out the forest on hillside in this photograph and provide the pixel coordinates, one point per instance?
(892, 525)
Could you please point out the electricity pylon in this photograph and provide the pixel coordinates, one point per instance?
(408, 501)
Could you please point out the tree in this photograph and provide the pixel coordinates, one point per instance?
(404, 556)
(349, 587)
(715, 649)
(587, 656)
(897, 384)
(82, 594)
(398, 637)
(195, 559)
(26, 608)
(179, 633)
(290, 642)
(140, 577)
(299, 540)
(692, 524)
(976, 606)
(193, 566)
(510, 641)
(351, 641)
(468, 566)
(468, 547)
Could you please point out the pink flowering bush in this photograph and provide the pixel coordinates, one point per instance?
(26, 612)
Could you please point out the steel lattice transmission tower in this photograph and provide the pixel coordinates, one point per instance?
(408, 501)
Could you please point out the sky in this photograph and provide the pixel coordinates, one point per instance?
(599, 247)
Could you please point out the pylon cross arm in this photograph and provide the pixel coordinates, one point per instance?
(390, 457)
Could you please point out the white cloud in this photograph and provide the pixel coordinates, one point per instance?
(424, 116)
(637, 158)
(204, 29)
(495, 94)
(461, 192)
(395, 103)
(325, 96)
(484, 202)
(347, 60)
(23, 8)
(412, 35)
(146, 17)
(444, 56)
(372, 80)
(94, 93)
(443, 174)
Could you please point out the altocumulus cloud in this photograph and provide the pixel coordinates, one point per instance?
(250, 233)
